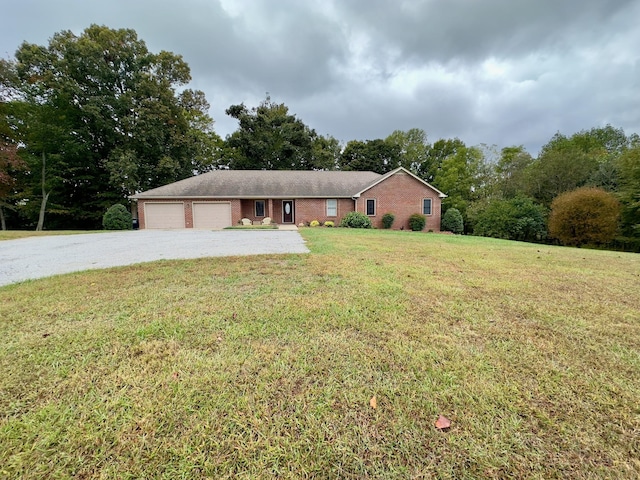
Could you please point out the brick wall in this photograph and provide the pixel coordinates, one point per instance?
(309, 209)
(402, 195)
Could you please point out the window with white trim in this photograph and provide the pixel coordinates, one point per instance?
(259, 208)
(332, 207)
(371, 207)
(426, 206)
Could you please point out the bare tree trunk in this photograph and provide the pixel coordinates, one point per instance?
(2, 220)
(45, 197)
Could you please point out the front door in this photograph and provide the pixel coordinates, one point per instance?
(287, 211)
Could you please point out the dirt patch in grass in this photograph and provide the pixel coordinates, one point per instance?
(264, 366)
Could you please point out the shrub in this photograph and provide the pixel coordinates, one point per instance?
(314, 223)
(417, 222)
(329, 223)
(117, 218)
(355, 220)
(584, 216)
(387, 220)
(452, 221)
(518, 218)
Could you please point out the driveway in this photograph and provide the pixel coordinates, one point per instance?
(38, 257)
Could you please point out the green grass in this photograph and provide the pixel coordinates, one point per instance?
(16, 234)
(264, 366)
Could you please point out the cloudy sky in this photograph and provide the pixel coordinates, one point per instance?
(503, 72)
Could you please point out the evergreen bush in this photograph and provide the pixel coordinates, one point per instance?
(417, 222)
(387, 220)
(117, 218)
(452, 221)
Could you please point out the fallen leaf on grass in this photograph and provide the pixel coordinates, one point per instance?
(373, 402)
(443, 423)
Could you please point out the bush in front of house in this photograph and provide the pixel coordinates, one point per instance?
(387, 220)
(355, 220)
(314, 223)
(417, 222)
(452, 221)
(117, 218)
(329, 223)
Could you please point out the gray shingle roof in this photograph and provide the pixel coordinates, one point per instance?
(267, 184)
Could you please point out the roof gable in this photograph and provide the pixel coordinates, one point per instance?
(394, 172)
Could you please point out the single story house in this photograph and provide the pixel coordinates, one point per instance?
(221, 198)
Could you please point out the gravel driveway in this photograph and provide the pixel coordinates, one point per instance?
(37, 257)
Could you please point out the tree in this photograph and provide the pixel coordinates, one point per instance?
(376, 155)
(584, 216)
(270, 138)
(460, 177)
(435, 155)
(114, 123)
(629, 190)
(10, 162)
(511, 171)
(412, 146)
(518, 218)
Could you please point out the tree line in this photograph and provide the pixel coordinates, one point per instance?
(90, 119)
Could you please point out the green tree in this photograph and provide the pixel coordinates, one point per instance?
(511, 171)
(376, 155)
(270, 138)
(435, 156)
(460, 176)
(413, 148)
(629, 190)
(584, 216)
(518, 218)
(114, 123)
(10, 163)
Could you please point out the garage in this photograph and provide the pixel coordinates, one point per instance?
(164, 214)
(214, 215)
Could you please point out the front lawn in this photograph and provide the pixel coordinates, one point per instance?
(262, 367)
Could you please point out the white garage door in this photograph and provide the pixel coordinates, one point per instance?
(211, 215)
(164, 215)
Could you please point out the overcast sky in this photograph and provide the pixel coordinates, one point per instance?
(503, 72)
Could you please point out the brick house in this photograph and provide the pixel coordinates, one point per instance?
(222, 198)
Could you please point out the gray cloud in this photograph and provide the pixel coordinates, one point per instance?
(495, 71)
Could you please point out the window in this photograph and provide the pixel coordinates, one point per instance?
(426, 206)
(259, 208)
(332, 207)
(371, 207)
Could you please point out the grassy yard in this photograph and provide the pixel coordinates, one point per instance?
(16, 234)
(264, 367)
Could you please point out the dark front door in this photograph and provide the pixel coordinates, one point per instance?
(287, 211)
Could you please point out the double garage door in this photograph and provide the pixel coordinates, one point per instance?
(171, 214)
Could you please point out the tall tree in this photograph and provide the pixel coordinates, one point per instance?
(461, 177)
(124, 128)
(269, 138)
(10, 162)
(413, 148)
(629, 190)
(376, 155)
(511, 171)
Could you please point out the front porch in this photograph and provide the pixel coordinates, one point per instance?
(281, 211)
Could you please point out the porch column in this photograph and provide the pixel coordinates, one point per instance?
(271, 209)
